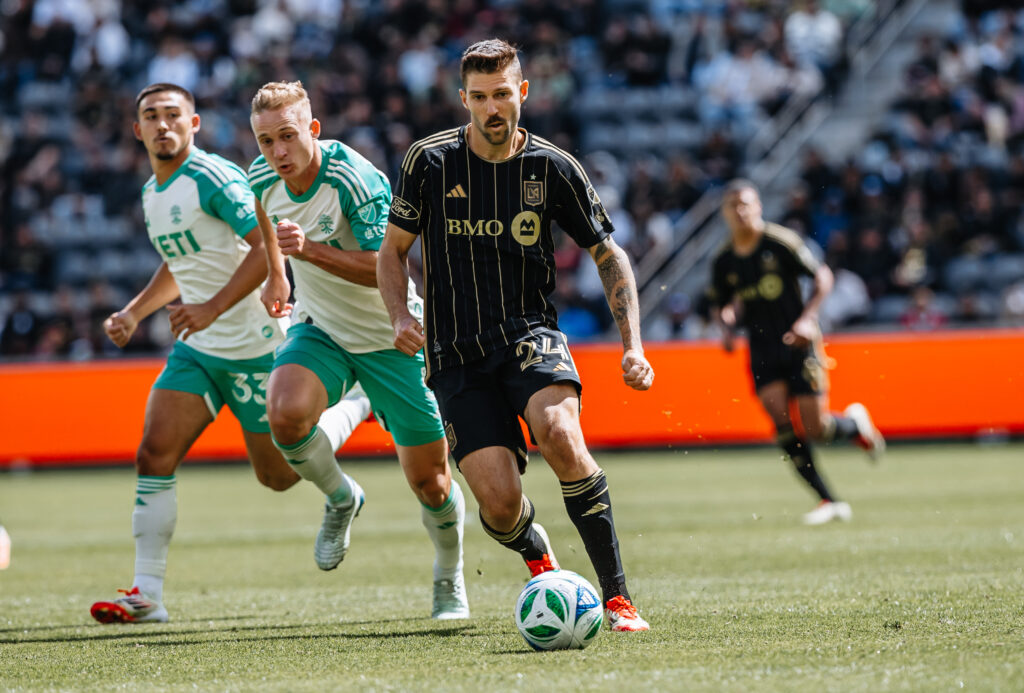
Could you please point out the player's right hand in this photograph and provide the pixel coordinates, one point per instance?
(120, 327)
(291, 239)
(409, 335)
(275, 295)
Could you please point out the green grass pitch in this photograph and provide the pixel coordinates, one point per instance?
(923, 591)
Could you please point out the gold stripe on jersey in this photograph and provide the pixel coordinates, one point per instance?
(544, 144)
(791, 239)
(584, 207)
(787, 237)
(443, 137)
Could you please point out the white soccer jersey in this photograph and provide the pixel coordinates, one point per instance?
(196, 221)
(347, 208)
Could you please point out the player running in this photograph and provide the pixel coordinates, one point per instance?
(201, 218)
(755, 280)
(483, 197)
(327, 208)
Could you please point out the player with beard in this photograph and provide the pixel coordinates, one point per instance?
(482, 198)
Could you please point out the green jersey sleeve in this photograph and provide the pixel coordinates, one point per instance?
(364, 195)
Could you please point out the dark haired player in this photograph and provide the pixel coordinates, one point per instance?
(483, 197)
(755, 280)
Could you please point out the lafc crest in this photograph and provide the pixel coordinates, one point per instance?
(533, 192)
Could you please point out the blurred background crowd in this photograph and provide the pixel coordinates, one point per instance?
(659, 99)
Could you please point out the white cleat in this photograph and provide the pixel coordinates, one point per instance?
(450, 600)
(868, 437)
(133, 607)
(827, 511)
(333, 538)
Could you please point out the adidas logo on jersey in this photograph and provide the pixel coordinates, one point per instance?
(561, 367)
(457, 191)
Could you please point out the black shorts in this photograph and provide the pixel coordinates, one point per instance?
(481, 402)
(803, 370)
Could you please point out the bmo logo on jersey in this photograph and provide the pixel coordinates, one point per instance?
(525, 227)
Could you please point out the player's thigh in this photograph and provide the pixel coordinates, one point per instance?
(774, 398)
(272, 470)
(493, 476)
(174, 420)
(311, 372)
(476, 414)
(401, 401)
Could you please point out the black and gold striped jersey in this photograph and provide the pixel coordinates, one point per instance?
(487, 246)
(767, 283)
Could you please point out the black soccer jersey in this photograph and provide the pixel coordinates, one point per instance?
(485, 227)
(766, 281)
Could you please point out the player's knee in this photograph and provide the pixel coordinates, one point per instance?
(152, 460)
(501, 514)
(289, 422)
(559, 437)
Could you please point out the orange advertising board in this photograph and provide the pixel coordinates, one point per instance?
(916, 385)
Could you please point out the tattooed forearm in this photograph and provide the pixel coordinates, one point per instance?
(619, 289)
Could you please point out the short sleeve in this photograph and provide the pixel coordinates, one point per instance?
(234, 204)
(407, 204)
(369, 220)
(364, 196)
(579, 210)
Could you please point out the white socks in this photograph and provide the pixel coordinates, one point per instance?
(444, 525)
(340, 420)
(313, 459)
(153, 520)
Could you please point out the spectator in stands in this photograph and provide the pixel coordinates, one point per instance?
(922, 314)
(21, 328)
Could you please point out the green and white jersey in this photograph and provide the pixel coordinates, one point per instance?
(196, 220)
(346, 208)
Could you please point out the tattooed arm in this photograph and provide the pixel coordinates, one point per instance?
(620, 291)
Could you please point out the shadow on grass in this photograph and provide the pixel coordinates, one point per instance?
(380, 635)
(66, 626)
(150, 631)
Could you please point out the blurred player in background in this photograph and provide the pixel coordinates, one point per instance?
(482, 197)
(328, 208)
(201, 218)
(755, 281)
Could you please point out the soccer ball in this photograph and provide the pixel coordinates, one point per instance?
(559, 610)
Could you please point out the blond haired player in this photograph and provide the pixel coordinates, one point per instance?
(324, 209)
(201, 218)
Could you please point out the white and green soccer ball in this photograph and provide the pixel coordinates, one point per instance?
(559, 610)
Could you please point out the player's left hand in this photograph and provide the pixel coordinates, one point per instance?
(291, 239)
(188, 318)
(801, 333)
(636, 370)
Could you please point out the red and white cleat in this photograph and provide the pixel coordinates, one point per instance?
(868, 437)
(133, 607)
(622, 616)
